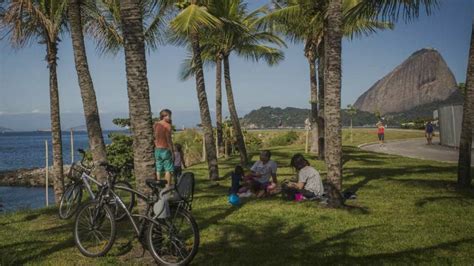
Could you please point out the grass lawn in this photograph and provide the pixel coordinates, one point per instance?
(406, 212)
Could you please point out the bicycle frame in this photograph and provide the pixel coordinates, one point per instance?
(137, 227)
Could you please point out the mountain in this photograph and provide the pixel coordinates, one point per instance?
(5, 129)
(270, 117)
(423, 78)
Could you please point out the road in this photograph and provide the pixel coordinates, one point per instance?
(417, 148)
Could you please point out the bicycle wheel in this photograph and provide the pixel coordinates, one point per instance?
(94, 229)
(70, 201)
(175, 240)
(127, 197)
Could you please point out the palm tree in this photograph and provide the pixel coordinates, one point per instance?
(219, 128)
(243, 37)
(239, 34)
(138, 92)
(187, 25)
(41, 20)
(303, 21)
(103, 23)
(386, 9)
(91, 112)
(332, 96)
(467, 133)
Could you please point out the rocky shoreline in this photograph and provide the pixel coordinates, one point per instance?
(35, 177)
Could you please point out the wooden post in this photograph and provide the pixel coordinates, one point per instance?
(307, 141)
(47, 172)
(225, 149)
(203, 146)
(72, 146)
(351, 129)
(217, 146)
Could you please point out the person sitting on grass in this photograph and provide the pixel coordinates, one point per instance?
(309, 182)
(237, 177)
(262, 171)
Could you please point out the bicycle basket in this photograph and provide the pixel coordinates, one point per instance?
(75, 172)
(185, 187)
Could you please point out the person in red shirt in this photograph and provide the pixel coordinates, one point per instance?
(164, 148)
(381, 132)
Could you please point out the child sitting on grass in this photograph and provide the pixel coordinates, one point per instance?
(236, 176)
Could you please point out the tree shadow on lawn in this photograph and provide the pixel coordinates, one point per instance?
(396, 175)
(276, 243)
(32, 250)
(457, 200)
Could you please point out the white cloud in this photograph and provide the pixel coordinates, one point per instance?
(35, 111)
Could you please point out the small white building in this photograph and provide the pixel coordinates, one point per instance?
(450, 122)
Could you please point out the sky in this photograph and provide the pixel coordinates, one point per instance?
(24, 76)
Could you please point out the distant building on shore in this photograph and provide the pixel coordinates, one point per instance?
(450, 122)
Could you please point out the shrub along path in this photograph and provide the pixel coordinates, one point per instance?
(407, 211)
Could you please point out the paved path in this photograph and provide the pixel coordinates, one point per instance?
(417, 148)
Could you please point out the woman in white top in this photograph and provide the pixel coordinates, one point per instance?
(309, 181)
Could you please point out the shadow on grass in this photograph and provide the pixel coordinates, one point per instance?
(457, 200)
(31, 250)
(278, 242)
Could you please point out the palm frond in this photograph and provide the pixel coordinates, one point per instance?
(392, 10)
(193, 19)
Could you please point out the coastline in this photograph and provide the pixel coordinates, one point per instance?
(24, 177)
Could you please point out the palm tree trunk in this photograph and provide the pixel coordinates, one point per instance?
(321, 65)
(314, 105)
(220, 141)
(58, 171)
(467, 133)
(138, 94)
(204, 109)
(89, 102)
(332, 98)
(233, 113)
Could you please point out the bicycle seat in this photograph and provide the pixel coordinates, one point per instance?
(156, 184)
(110, 168)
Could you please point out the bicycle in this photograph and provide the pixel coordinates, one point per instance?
(168, 231)
(80, 176)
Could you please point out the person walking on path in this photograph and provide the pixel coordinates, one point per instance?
(381, 132)
(164, 150)
(429, 133)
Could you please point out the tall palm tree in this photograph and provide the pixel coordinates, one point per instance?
(386, 9)
(42, 20)
(302, 21)
(91, 112)
(467, 133)
(332, 95)
(103, 22)
(241, 35)
(219, 128)
(187, 25)
(138, 92)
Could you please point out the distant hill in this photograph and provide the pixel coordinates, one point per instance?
(423, 78)
(270, 117)
(273, 117)
(5, 129)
